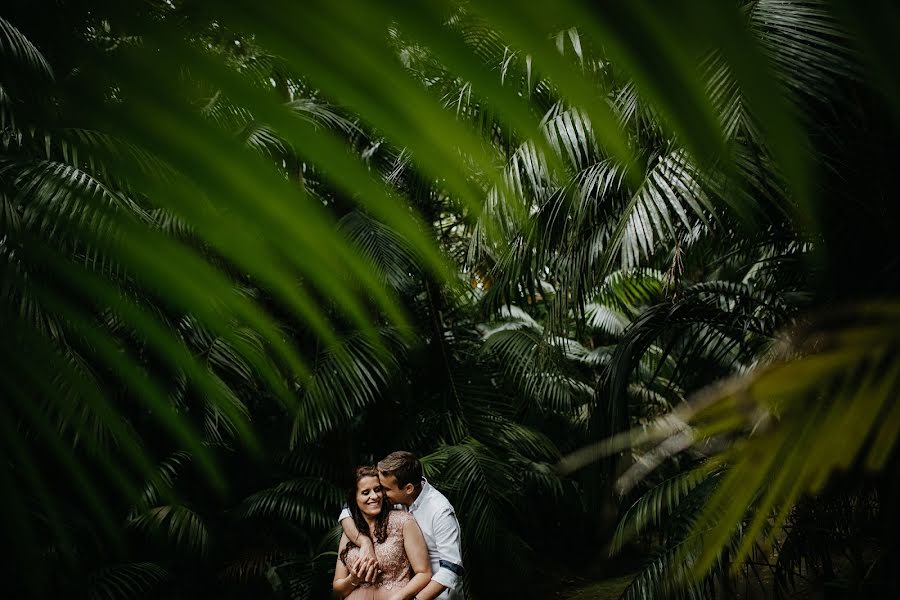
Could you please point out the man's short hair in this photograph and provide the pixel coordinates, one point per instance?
(402, 465)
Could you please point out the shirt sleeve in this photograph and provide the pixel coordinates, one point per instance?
(447, 548)
(345, 513)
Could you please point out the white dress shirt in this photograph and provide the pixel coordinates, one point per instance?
(437, 520)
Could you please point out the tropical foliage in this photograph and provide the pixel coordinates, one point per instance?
(623, 275)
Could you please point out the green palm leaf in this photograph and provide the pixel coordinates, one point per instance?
(17, 48)
(131, 580)
(308, 501)
(182, 529)
(652, 508)
(346, 380)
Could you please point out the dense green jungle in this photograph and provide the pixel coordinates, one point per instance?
(624, 275)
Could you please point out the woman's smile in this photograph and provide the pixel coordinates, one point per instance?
(369, 495)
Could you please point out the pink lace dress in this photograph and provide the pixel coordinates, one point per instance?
(392, 560)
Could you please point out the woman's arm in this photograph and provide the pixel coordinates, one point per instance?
(417, 553)
(344, 581)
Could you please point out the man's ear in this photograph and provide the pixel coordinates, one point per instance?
(409, 488)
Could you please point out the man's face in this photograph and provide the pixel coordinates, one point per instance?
(392, 491)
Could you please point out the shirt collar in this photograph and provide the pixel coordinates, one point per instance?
(426, 487)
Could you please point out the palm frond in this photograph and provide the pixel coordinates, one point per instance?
(18, 49)
(183, 530)
(849, 385)
(131, 580)
(347, 378)
(665, 576)
(253, 565)
(538, 365)
(387, 251)
(809, 45)
(670, 195)
(844, 374)
(308, 501)
(651, 509)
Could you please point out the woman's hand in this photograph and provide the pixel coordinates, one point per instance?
(367, 557)
(361, 570)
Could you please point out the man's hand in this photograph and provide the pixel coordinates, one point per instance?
(367, 559)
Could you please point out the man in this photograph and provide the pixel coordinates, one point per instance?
(400, 474)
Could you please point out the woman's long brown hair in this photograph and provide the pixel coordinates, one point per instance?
(381, 521)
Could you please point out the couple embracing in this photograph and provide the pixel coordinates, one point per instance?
(401, 536)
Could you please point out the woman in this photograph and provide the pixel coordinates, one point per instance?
(399, 547)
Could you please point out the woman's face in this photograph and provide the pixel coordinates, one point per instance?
(369, 496)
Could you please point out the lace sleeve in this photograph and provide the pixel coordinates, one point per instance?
(397, 519)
